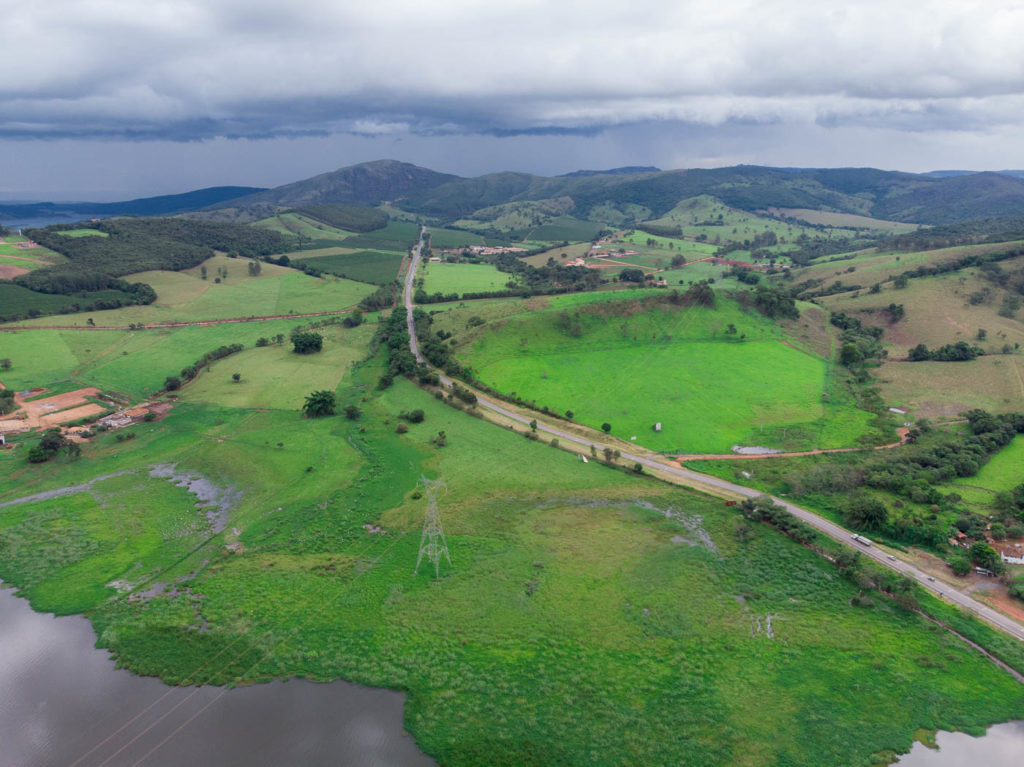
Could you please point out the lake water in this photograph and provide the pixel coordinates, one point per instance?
(1002, 746)
(62, 702)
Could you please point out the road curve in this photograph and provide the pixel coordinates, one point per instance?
(689, 477)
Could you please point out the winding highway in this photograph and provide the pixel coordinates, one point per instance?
(695, 479)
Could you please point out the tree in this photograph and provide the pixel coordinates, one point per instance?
(919, 353)
(850, 355)
(48, 446)
(352, 412)
(984, 555)
(307, 342)
(172, 383)
(355, 319)
(319, 404)
(606, 428)
(202, 271)
(866, 513)
(236, 377)
(261, 342)
(961, 565)
(533, 425)
(631, 275)
(6, 363)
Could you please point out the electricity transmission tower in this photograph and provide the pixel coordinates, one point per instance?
(432, 542)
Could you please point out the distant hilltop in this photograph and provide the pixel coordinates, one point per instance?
(626, 170)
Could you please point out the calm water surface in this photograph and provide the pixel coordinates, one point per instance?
(1001, 746)
(60, 698)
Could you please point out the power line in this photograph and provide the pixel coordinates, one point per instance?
(432, 542)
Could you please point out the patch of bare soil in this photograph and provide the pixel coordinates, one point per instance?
(9, 272)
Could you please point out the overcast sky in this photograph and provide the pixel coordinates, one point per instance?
(103, 99)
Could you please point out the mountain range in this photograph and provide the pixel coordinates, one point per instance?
(633, 193)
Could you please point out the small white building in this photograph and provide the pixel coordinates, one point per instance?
(657, 426)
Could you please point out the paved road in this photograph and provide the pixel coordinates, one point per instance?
(688, 477)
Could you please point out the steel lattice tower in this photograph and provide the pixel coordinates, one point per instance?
(432, 542)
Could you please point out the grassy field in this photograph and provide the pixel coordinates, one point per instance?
(939, 311)
(373, 266)
(186, 297)
(871, 266)
(83, 233)
(452, 238)
(576, 250)
(565, 228)
(700, 216)
(1003, 472)
(296, 224)
(275, 377)
(591, 617)
(22, 263)
(462, 278)
(134, 363)
(945, 389)
(826, 218)
(398, 236)
(633, 365)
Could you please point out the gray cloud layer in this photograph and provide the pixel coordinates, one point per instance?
(189, 69)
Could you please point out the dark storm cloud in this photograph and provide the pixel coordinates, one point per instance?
(194, 69)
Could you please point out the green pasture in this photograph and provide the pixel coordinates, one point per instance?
(705, 215)
(398, 236)
(452, 238)
(45, 255)
(462, 278)
(827, 218)
(134, 363)
(275, 377)
(298, 255)
(938, 310)
(1004, 471)
(373, 266)
(83, 233)
(298, 225)
(514, 219)
(632, 366)
(641, 241)
(590, 616)
(19, 301)
(186, 297)
(570, 252)
(565, 228)
(22, 263)
(871, 266)
(943, 390)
